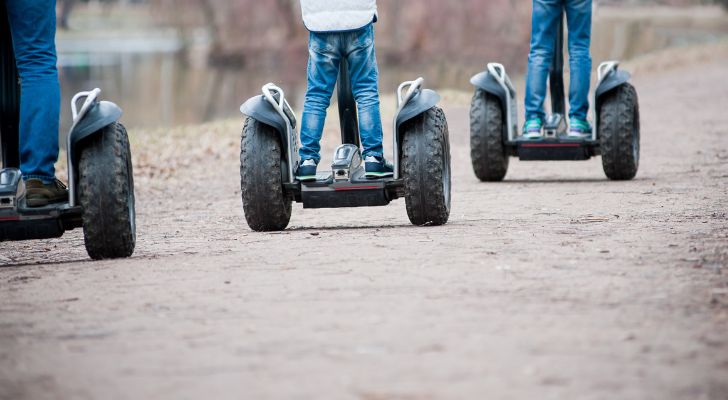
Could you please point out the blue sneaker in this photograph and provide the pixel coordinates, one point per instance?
(579, 128)
(377, 168)
(532, 128)
(307, 171)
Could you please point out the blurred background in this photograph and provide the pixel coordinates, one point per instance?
(173, 62)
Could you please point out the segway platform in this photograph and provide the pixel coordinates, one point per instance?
(555, 149)
(19, 222)
(326, 192)
(346, 185)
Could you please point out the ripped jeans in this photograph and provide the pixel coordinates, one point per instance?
(326, 50)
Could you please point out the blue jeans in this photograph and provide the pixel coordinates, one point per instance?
(326, 50)
(545, 21)
(33, 26)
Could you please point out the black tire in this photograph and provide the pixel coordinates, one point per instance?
(106, 194)
(266, 206)
(619, 133)
(426, 168)
(488, 152)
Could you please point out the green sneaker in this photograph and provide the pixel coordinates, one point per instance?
(532, 128)
(307, 171)
(579, 128)
(377, 167)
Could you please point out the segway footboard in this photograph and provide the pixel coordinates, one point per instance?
(556, 149)
(18, 222)
(346, 185)
(358, 191)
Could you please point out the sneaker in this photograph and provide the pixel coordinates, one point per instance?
(532, 128)
(307, 171)
(39, 194)
(579, 128)
(376, 167)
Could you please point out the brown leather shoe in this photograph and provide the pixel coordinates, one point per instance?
(39, 194)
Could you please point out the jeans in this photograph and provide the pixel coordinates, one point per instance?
(545, 21)
(33, 27)
(326, 50)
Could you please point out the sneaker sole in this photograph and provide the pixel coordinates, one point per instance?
(36, 203)
(44, 202)
(307, 178)
(378, 174)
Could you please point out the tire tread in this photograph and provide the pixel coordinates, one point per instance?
(487, 150)
(425, 158)
(106, 183)
(618, 122)
(265, 204)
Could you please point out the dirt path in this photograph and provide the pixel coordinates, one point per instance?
(555, 284)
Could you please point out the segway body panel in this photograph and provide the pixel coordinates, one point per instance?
(270, 123)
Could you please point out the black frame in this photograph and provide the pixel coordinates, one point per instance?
(9, 96)
(348, 118)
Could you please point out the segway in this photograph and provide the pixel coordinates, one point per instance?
(494, 133)
(100, 181)
(269, 159)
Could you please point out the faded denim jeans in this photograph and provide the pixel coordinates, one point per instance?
(326, 50)
(545, 21)
(33, 26)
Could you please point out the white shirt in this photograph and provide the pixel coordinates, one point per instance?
(337, 15)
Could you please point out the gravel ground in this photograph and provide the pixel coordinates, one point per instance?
(555, 284)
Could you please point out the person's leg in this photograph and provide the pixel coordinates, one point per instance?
(364, 83)
(33, 26)
(579, 16)
(323, 70)
(544, 24)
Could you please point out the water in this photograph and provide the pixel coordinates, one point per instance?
(158, 82)
(164, 89)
